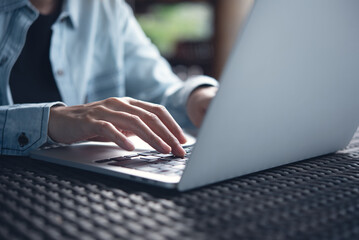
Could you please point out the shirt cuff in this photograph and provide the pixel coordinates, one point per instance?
(25, 127)
(177, 102)
(195, 82)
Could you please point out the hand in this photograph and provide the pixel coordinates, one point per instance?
(198, 103)
(114, 119)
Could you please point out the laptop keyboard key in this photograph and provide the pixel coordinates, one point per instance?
(127, 162)
(120, 159)
(104, 161)
(162, 155)
(150, 158)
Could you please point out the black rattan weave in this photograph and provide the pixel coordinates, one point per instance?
(312, 199)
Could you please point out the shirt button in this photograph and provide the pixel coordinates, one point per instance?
(60, 72)
(3, 60)
(23, 140)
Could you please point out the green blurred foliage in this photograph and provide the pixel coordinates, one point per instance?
(166, 24)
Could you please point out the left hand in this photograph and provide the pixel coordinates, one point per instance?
(198, 103)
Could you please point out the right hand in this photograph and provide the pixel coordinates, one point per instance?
(114, 119)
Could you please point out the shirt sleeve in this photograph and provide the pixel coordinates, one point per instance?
(24, 127)
(149, 76)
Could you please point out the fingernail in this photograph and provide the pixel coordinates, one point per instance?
(180, 152)
(129, 145)
(165, 148)
(183, 139)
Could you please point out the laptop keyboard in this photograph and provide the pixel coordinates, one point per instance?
(151, 161)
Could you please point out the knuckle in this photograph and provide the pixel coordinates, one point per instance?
(89, 114)
(151, 117)
(87, 118)
(122, 101)
(152, 138)
(126, 100)
(92, 112)
(99, 108)
(136, 119)
(159, 108)
(102, 125)
(111, 100)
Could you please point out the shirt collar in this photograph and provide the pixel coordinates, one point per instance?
(9, 5)
(70, 9)
(70, 12)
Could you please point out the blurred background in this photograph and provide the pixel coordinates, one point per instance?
(195, 36)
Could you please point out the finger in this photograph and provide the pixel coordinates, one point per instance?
(150, 119)
(103, 139)
(98, 139)
(157, 126)
(106, 130)
(127, 133)
(134, 124)
(164, 116)
(130, 123)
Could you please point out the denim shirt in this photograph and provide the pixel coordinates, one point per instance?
(97, 51)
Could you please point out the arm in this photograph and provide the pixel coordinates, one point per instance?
(150, 78)
(115, 118)
(112, 119)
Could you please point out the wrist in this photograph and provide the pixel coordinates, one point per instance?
(199, 92)
(54, 114)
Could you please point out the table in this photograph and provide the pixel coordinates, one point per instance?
(312, 199)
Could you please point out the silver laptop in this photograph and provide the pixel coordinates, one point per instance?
(290, 91)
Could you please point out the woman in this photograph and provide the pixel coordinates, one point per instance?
(84, 70)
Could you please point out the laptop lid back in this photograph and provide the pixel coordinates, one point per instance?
(289, 91)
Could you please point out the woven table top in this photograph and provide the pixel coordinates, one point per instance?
(312, 199)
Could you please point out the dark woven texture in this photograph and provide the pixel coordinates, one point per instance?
(312, 199)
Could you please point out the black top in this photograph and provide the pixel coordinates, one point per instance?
(32, 79)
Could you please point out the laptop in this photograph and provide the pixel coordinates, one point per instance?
(289, 92)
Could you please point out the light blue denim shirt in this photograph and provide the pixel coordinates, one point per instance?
(97, 51)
